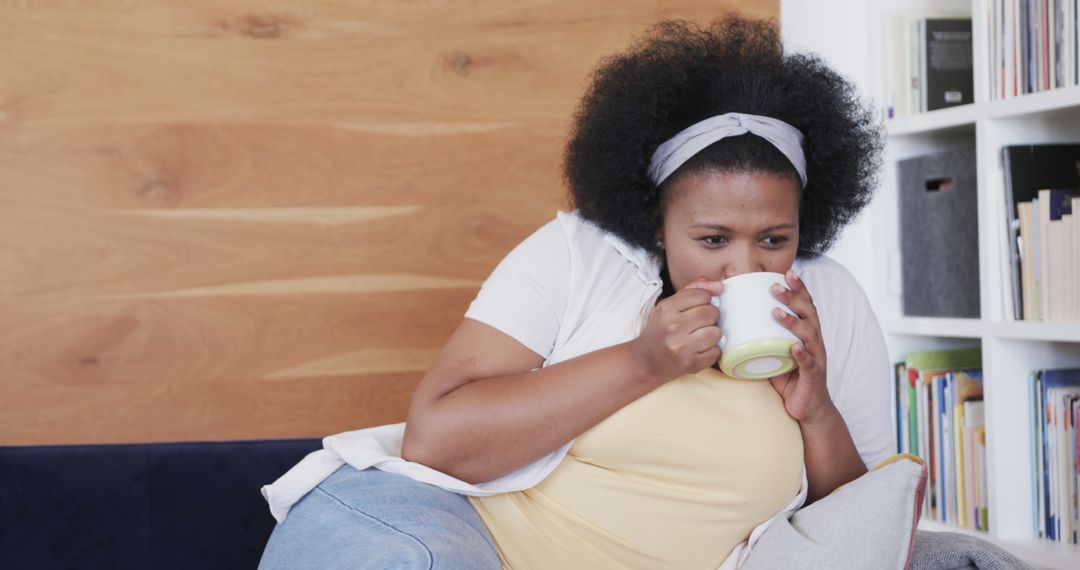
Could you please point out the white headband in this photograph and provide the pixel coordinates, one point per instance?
(693, 139)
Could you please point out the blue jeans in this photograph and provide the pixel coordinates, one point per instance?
(373, 519)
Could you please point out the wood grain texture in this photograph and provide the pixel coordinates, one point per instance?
(227, 220)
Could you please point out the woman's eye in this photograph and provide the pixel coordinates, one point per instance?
(714, 240)
(775, 241)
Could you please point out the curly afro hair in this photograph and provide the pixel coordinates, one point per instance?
(679, 74)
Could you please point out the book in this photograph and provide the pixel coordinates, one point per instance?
(915, 67)
(948, 469)
(1075, 258)
(1036, 259)
(983, 511)
(967, 388)
(974, 424)
(923, 407)
(945, 60)
(1026, 245)
(1033, 46)
(904, 79)
(1040, 45)
(1055, 388)
(900, 386)
(942, 360)
(959, 466)
(939, 383)
(1055, 265)
(1067, 462)
(938, 431)
(912, 415)
(1062, 476)
(1022, 56)
(1009, 298)
(898, 82)
(1042, 276)
(1074, 456)
(1035, 422)
(939, 245)
(1028, 169)
(998, 50)
(1060, 38)
(1056, 255)
(1063, 267)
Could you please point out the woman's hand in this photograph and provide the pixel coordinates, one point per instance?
(681, 335)
(806, 397)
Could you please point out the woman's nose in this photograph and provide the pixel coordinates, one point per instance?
(740, 265)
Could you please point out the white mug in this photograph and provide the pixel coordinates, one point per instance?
(755, 345)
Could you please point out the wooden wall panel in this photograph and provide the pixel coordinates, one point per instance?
(243, 219)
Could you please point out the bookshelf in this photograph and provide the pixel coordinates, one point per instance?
(1011, 349)
(870, 248)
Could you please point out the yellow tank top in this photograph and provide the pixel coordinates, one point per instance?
(675, 479)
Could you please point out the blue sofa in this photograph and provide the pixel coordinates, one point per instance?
(161, 505)
(197, 505)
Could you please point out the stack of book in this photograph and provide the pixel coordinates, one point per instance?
(932, 64)
(940, 418)
(1042, 198)
(1033, 46)
(1055, 445)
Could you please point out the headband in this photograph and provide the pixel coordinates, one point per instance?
(693, 139)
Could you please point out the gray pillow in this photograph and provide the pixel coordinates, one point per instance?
(867, 523)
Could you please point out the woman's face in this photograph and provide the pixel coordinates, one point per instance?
(721, 224)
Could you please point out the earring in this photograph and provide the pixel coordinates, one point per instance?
(659, 244)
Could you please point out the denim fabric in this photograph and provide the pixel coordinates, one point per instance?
(373, 519)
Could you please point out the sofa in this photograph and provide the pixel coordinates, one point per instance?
(197, 505)
(154, 505)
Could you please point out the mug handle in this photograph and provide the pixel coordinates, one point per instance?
(722, 345)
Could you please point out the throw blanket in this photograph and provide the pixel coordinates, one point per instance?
(955, 551)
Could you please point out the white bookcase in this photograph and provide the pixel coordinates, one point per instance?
(1011, 350)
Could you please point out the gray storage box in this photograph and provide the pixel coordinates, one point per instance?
(939, 234)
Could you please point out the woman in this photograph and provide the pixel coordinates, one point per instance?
(577, 406)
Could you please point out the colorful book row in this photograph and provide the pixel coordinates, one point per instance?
(1055, 457)
(940, 417)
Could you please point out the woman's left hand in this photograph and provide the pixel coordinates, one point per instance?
(806, 397)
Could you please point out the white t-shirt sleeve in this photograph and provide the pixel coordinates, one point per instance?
(525, 296)
(863, 390)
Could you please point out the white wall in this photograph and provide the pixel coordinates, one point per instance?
(837, 30)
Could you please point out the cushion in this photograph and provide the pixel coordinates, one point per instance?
(867, 523)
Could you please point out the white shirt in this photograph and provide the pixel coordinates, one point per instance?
(571, 288)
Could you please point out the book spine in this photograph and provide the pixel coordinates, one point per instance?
(923, 78)
(1043, 253)
(1012, 242)
(1065, 268)
(960, 468)
(1027, 261)
(1036, 461)
(1075, 289)
(1054, 253)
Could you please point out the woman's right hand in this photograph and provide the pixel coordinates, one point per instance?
(681, 335)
